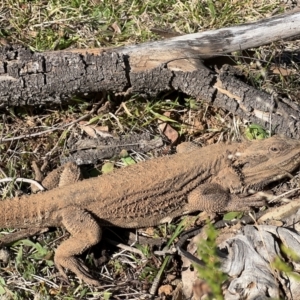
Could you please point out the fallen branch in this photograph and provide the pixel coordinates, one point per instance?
(152, 68)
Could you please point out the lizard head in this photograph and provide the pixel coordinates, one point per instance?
(262, 162)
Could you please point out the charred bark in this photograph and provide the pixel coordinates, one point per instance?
(28, 78)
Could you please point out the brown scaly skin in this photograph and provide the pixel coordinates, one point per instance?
(150, 193)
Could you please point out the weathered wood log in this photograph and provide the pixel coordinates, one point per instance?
(151, 68)
(250, 259)
(183, 52)
(247, 258)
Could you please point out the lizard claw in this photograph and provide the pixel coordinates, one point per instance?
(77, 266)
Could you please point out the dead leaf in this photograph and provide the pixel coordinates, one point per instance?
(89, 131)
(281, 71)
(4, 41)
(165, 289)
(116, 28)
(30, 121)
(94, 131)
(150, 231)
(167, 129)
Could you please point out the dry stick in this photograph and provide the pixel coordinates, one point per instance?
(57, 143)
(43, 280)
(271, 198)
(31, 181)
(124, 247)
(281, 212)
(214, 42)
(91, 70)
(49, 130)
(155, 67)
(19, 179)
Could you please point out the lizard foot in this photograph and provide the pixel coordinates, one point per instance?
(85, 232)
(237, 203)
(77, 266)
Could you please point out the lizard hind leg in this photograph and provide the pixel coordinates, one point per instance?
(85, 232)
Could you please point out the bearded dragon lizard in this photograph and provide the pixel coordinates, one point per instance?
(149, 193)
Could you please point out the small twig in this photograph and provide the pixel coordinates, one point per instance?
(280, 213)
(271, 198)
(48, 23)
(57, 143)
(43, 279)
(49, 130)
(182, 239)
(125, 247)
(284, 194)
(123, 105)
(31, 181)
(118, 121)
(164, 252)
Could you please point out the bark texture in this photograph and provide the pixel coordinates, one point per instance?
(28, 78)
(40, 78)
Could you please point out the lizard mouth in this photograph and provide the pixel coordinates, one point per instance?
(259, 171)
(246, 163)
(264, 173)
(266, 161)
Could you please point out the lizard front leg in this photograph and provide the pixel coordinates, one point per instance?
(85, 232)
(212, 197)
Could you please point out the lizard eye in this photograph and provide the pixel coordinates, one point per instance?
(274, 149)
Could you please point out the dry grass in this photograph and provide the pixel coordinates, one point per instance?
(43, 25)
